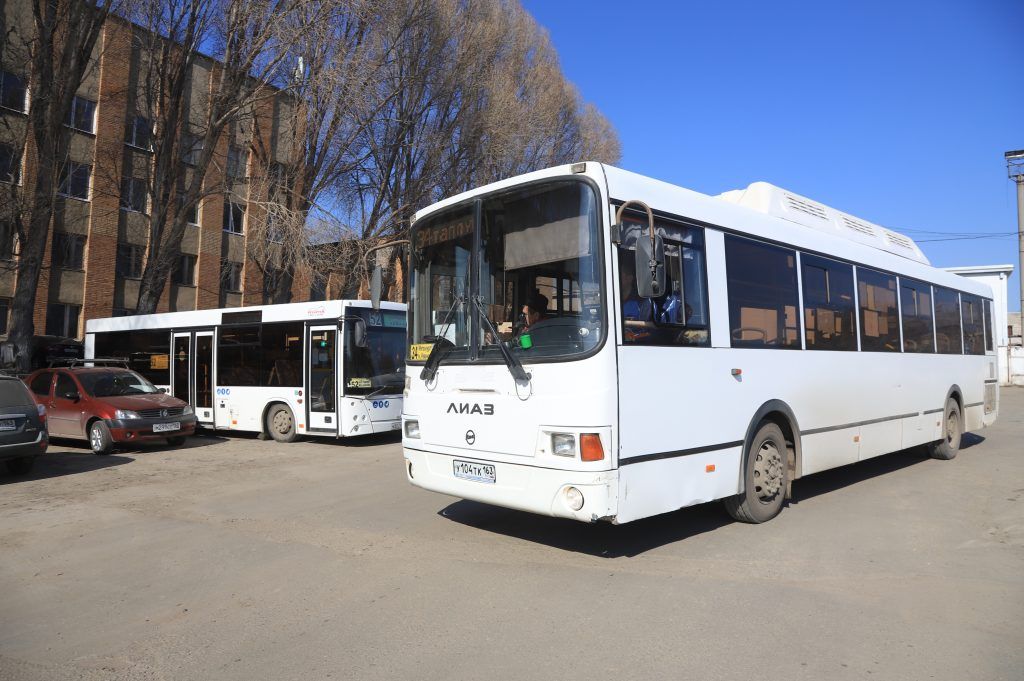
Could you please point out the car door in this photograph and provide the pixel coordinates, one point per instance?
(41, 386)
(66, 413)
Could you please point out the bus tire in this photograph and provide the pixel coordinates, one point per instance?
(765, 478)
(281, 423)
(100, 440)
(952, 431)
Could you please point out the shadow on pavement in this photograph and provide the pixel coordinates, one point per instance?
(617, 541)
(371, 440)
(57, 464)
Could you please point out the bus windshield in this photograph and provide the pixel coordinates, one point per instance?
(539, 283)
(379, 367)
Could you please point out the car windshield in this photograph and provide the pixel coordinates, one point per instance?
(115, 383)
(380, 366)
(539, 274)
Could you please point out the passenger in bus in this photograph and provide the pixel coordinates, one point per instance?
(634, 308)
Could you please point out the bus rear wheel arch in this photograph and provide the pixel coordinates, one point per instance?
(279, 422)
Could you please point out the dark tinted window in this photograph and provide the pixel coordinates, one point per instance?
(10, 164)
(12, 91)
(762, 295)
(82, 115)
(680, 316)
(5, 310)
(973, 324)
(148, 352)
(129, 261)
(13, 393)
(65, 386)
(381, 364)
(184, 272)
(238, 355)
(40, 385)
(989, 331)
(62, 320)
(282, 353)
(69, 251)
(828, 304)
(916, 310)
(75, 180)
(879, 324)
(947, 321)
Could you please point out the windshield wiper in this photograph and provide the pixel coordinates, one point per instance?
(382, 389)
(442, 346)
(515, 367)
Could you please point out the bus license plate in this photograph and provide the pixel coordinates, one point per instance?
(166, 427)
(477, 472)
(7, 424)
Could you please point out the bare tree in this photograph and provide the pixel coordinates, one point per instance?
(245, 37)
(54, 52)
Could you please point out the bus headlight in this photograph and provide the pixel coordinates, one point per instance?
(412, 428)
(563, 444)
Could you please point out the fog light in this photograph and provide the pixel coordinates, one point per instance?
(574, 498)
(412, 428)
(563, 444)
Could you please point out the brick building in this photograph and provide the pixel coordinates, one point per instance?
(100, 234)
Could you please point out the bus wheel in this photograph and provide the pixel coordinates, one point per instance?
(764, 478)
(949, 445)
(281, 423)
(100, 439)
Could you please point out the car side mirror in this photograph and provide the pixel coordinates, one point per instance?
(650, 267)
(163, 390)
(70, 395)
(359, 333)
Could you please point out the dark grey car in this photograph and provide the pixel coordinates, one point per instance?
(23, 434)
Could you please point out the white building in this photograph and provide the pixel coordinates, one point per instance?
(1011, 359)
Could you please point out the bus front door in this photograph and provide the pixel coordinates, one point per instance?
(322, 380)
(202, 378)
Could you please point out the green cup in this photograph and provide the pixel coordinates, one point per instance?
(525, 342)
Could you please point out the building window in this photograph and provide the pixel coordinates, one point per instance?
(8, 241)
(134, 195)
(62, 320)
(12, 91)
(192, 149)
(234, 217)
(231, 276)
(973, 324)
(947, 321)
(879, 323)
(916, 312)
(5, 311)
(828, 304)
(191, 212)
(129, 261)
(68, 251)
(138, 133)
(75, 179)
(82, 115)
(762, 295)
(184, 272)
(10, 165)
(238, 160)
(271, 281)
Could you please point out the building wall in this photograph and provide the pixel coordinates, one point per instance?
(96, 289)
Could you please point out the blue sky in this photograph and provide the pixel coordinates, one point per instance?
(897, 112)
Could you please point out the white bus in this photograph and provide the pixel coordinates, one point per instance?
(766, 337)
(332, 369)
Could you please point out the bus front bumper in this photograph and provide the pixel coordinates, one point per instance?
(523, 487)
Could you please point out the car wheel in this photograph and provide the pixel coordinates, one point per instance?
(176, 441)
(765, 478)
(21, 465)
(281, 423)
(952, 430)
(100, 439)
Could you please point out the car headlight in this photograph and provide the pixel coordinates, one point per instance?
(563, 444)
(126, 414)
(188, 410)
(412, 428)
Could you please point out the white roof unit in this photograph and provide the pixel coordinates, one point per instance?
(778, 202)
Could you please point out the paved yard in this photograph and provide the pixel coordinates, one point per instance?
(234, 558)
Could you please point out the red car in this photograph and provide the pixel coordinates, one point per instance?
(107, 406)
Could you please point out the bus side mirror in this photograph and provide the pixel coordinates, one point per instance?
(650, 267)
(375, 287)
(359, 332)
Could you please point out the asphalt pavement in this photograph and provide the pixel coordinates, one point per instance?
(234, 558)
